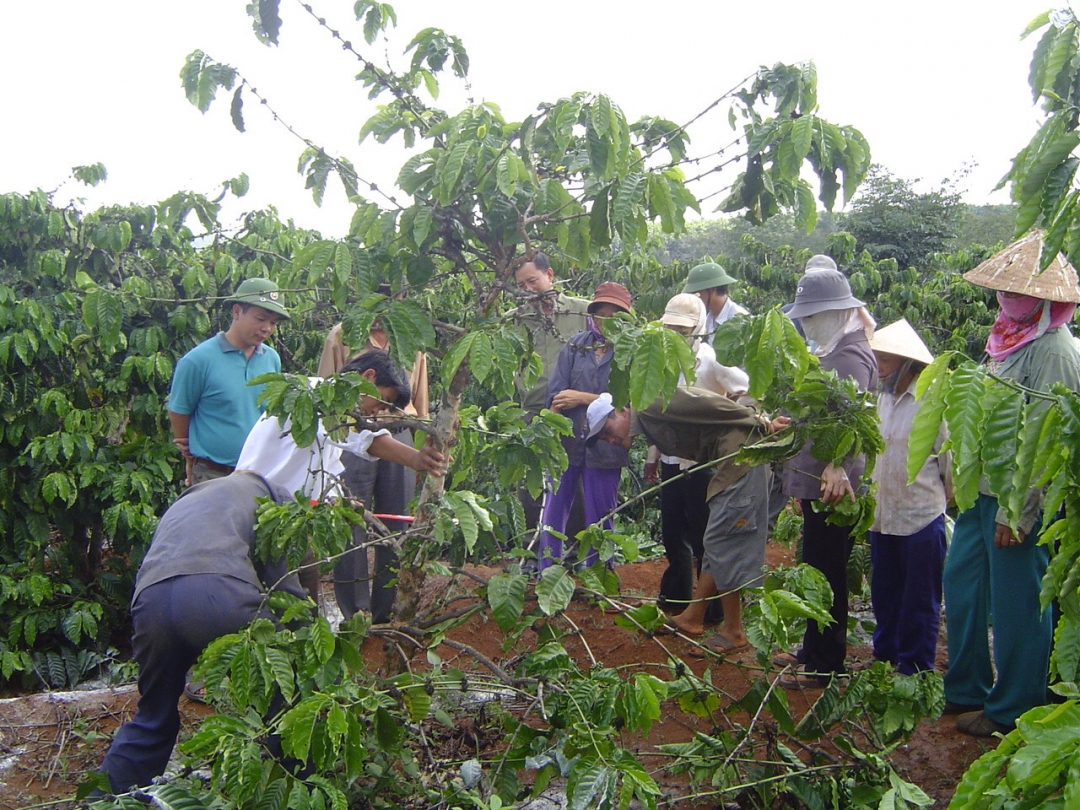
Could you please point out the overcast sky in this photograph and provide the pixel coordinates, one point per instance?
(933, 86)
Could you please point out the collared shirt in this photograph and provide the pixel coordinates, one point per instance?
(210, 385)
(549, 334)
(727, 312)
(902, 508)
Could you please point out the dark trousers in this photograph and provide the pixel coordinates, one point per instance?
(827, 548)
(905, 589)
(684, 514)
(173, 622)
(384, 488)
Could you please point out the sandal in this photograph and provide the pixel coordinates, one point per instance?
(799, 678)
(722, 645)
(196, 691)
(785, 659)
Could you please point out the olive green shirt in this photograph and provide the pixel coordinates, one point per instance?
(549, 333)
(1038, 365)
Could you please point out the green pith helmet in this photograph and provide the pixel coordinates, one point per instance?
(260, 292)
(706, 276)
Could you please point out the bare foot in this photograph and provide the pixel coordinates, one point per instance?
(687, 627)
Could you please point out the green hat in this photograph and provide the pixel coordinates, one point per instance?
(261, 292)
(706, 276)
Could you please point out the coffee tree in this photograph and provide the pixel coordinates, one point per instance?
(126, 291)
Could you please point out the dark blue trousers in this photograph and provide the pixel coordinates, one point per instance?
(905, 589)
(173, 622)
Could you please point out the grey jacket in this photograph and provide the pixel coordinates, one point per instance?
(852, 358)
(210, 529)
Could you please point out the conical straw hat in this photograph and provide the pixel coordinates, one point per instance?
(901, 339)
(1016, 269)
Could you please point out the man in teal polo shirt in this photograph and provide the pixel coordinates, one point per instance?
(211, 407)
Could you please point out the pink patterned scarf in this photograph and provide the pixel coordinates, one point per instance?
(1022, 319)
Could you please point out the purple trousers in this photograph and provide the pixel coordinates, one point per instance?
(905, 590)
(599, 488)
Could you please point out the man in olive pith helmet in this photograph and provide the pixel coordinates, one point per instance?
(211, 407)
(710, 282)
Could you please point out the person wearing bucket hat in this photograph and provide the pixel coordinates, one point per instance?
(682, 518)
(211, 407)
(993, 575)
(839, 325)
(710, 282)
(580, 376)
(907, 540)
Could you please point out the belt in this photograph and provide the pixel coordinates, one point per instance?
(213, 465)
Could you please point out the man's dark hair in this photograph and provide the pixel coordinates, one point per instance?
(541, 260)
(388, 374)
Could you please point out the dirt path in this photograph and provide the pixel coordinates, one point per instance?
(49, 741)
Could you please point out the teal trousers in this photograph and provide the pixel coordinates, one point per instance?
(995, 589)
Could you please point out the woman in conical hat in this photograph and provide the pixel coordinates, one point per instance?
(993, 575)
(907, 541)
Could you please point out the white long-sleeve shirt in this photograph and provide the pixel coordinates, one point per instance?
(314, 470)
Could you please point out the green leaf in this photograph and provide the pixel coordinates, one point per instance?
(648, 371)
(506, 175)
(298, 725)
(201, 76)
(802, 135)
(456, 354)
(805, 206)
(554, 590)
(506, 596)
(266, 20)
(236, 109)
(409, 330)
(422, 224)
(322, 639)
(964, 414)
(103, 312)
(1002, 406)
(926, 426)
(417, 703)
(588, 783)
(452, 168)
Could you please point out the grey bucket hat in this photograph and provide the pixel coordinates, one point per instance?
(820, 262)
(821, 290)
